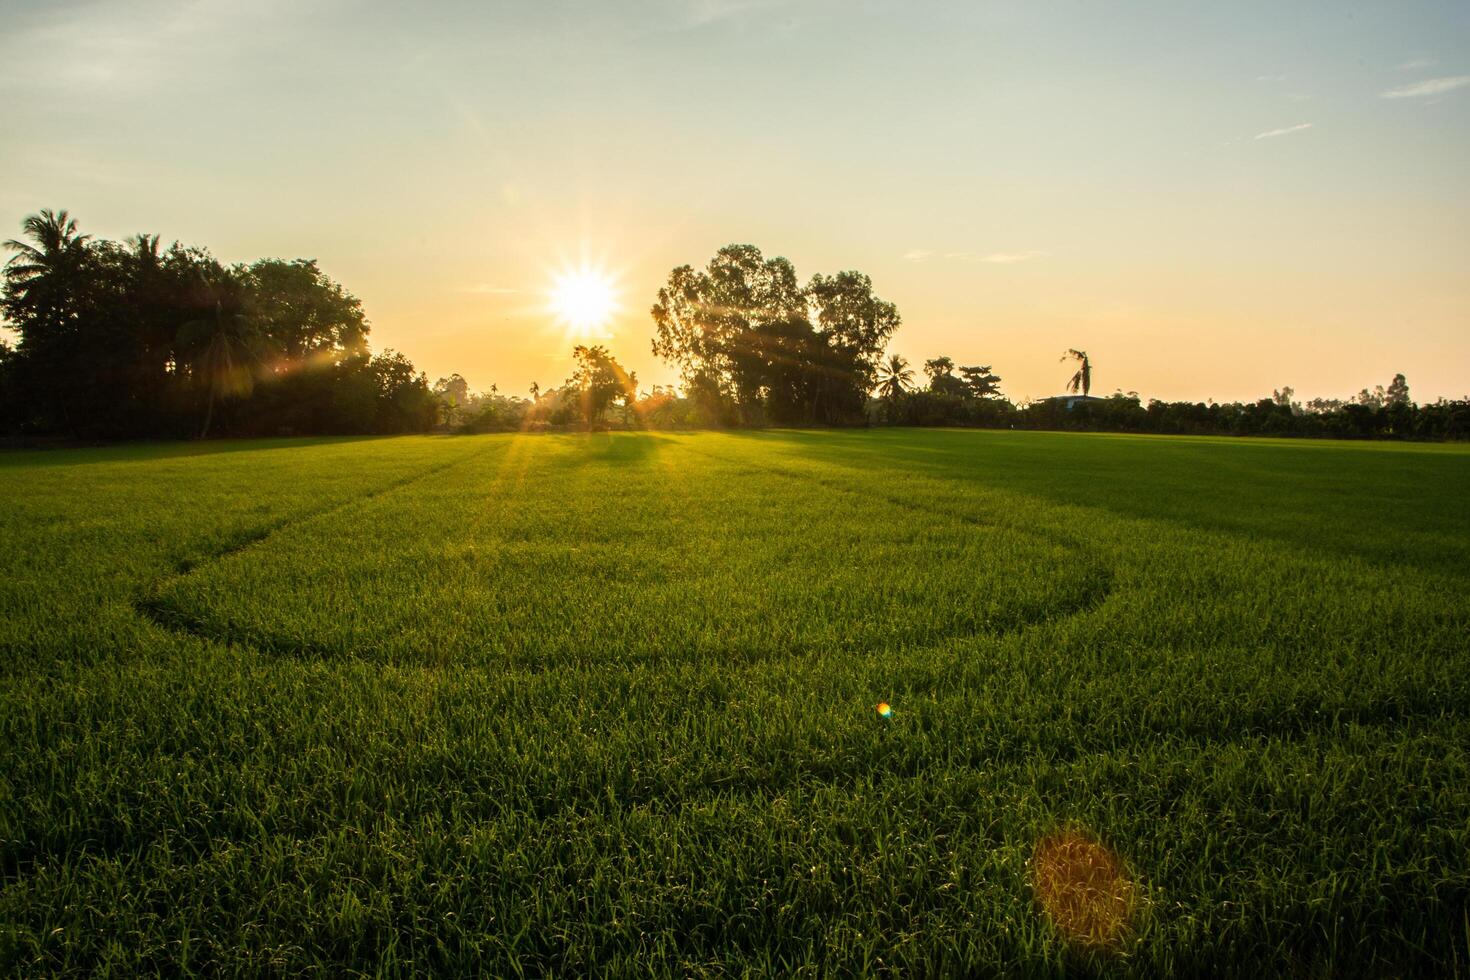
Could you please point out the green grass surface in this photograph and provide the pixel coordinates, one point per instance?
(561, 704)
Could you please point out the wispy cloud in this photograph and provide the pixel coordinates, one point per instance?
(1283, 131)
(487, 289)
(1271, 78)
(1425, 89)
(918, 254)
(1416, 63)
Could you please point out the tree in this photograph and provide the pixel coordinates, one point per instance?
(43, 279)
(307, 318)
(854, 326)
(939, 367)
(709, 322)
(453, 393)
(1398, 391)
(746, 334)
(599, 380)
(980, 382)
(1082, 380)
(223, 347)
(46, 284)
(405, 402)
(128, 339)
(894, 378)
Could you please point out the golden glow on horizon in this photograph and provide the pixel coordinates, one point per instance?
(584, 299)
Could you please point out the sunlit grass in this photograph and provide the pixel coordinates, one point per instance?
(616, 704)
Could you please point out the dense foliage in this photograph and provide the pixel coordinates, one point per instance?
(125, 340)
(754, 346)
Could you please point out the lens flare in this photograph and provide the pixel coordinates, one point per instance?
(1083, 888)
(884, 709)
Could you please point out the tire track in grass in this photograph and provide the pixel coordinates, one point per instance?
(153, 607)
(1092, 599)
(1078, 595)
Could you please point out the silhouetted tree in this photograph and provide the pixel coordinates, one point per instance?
(303, 315)
(980, 382)
(454, 395)
(745, 333)
(46, 282)
(895, 378)
(404, 400)
(599, 380)
(1082, 380)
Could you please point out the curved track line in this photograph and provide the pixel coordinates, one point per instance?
(153, 606)
(150, 605)
(1095, 597)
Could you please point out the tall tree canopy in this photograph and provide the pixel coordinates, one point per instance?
(744, 332)
(134, 339)
(599, 381)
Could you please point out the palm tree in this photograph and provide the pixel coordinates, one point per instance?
(1082, 380)
(46, 290)
(894, 378)
(45, 275)
(144, 250)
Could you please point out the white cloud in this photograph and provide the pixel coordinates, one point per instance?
(918, 254)
(1412, 64)
(1283, 131)
(1270, 78)
(1433, 86)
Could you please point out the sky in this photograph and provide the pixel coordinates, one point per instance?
(1212, 199)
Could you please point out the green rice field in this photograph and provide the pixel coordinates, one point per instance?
(606, 704)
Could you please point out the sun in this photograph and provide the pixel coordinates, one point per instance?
(584, 299)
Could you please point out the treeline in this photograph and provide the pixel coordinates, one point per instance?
(131, 339)
(950, 400)
(1332, 419)
(134, 340)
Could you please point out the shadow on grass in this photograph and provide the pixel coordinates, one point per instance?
(1405, 510)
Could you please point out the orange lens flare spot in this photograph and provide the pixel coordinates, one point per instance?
(1083, 888)
(884, 709)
